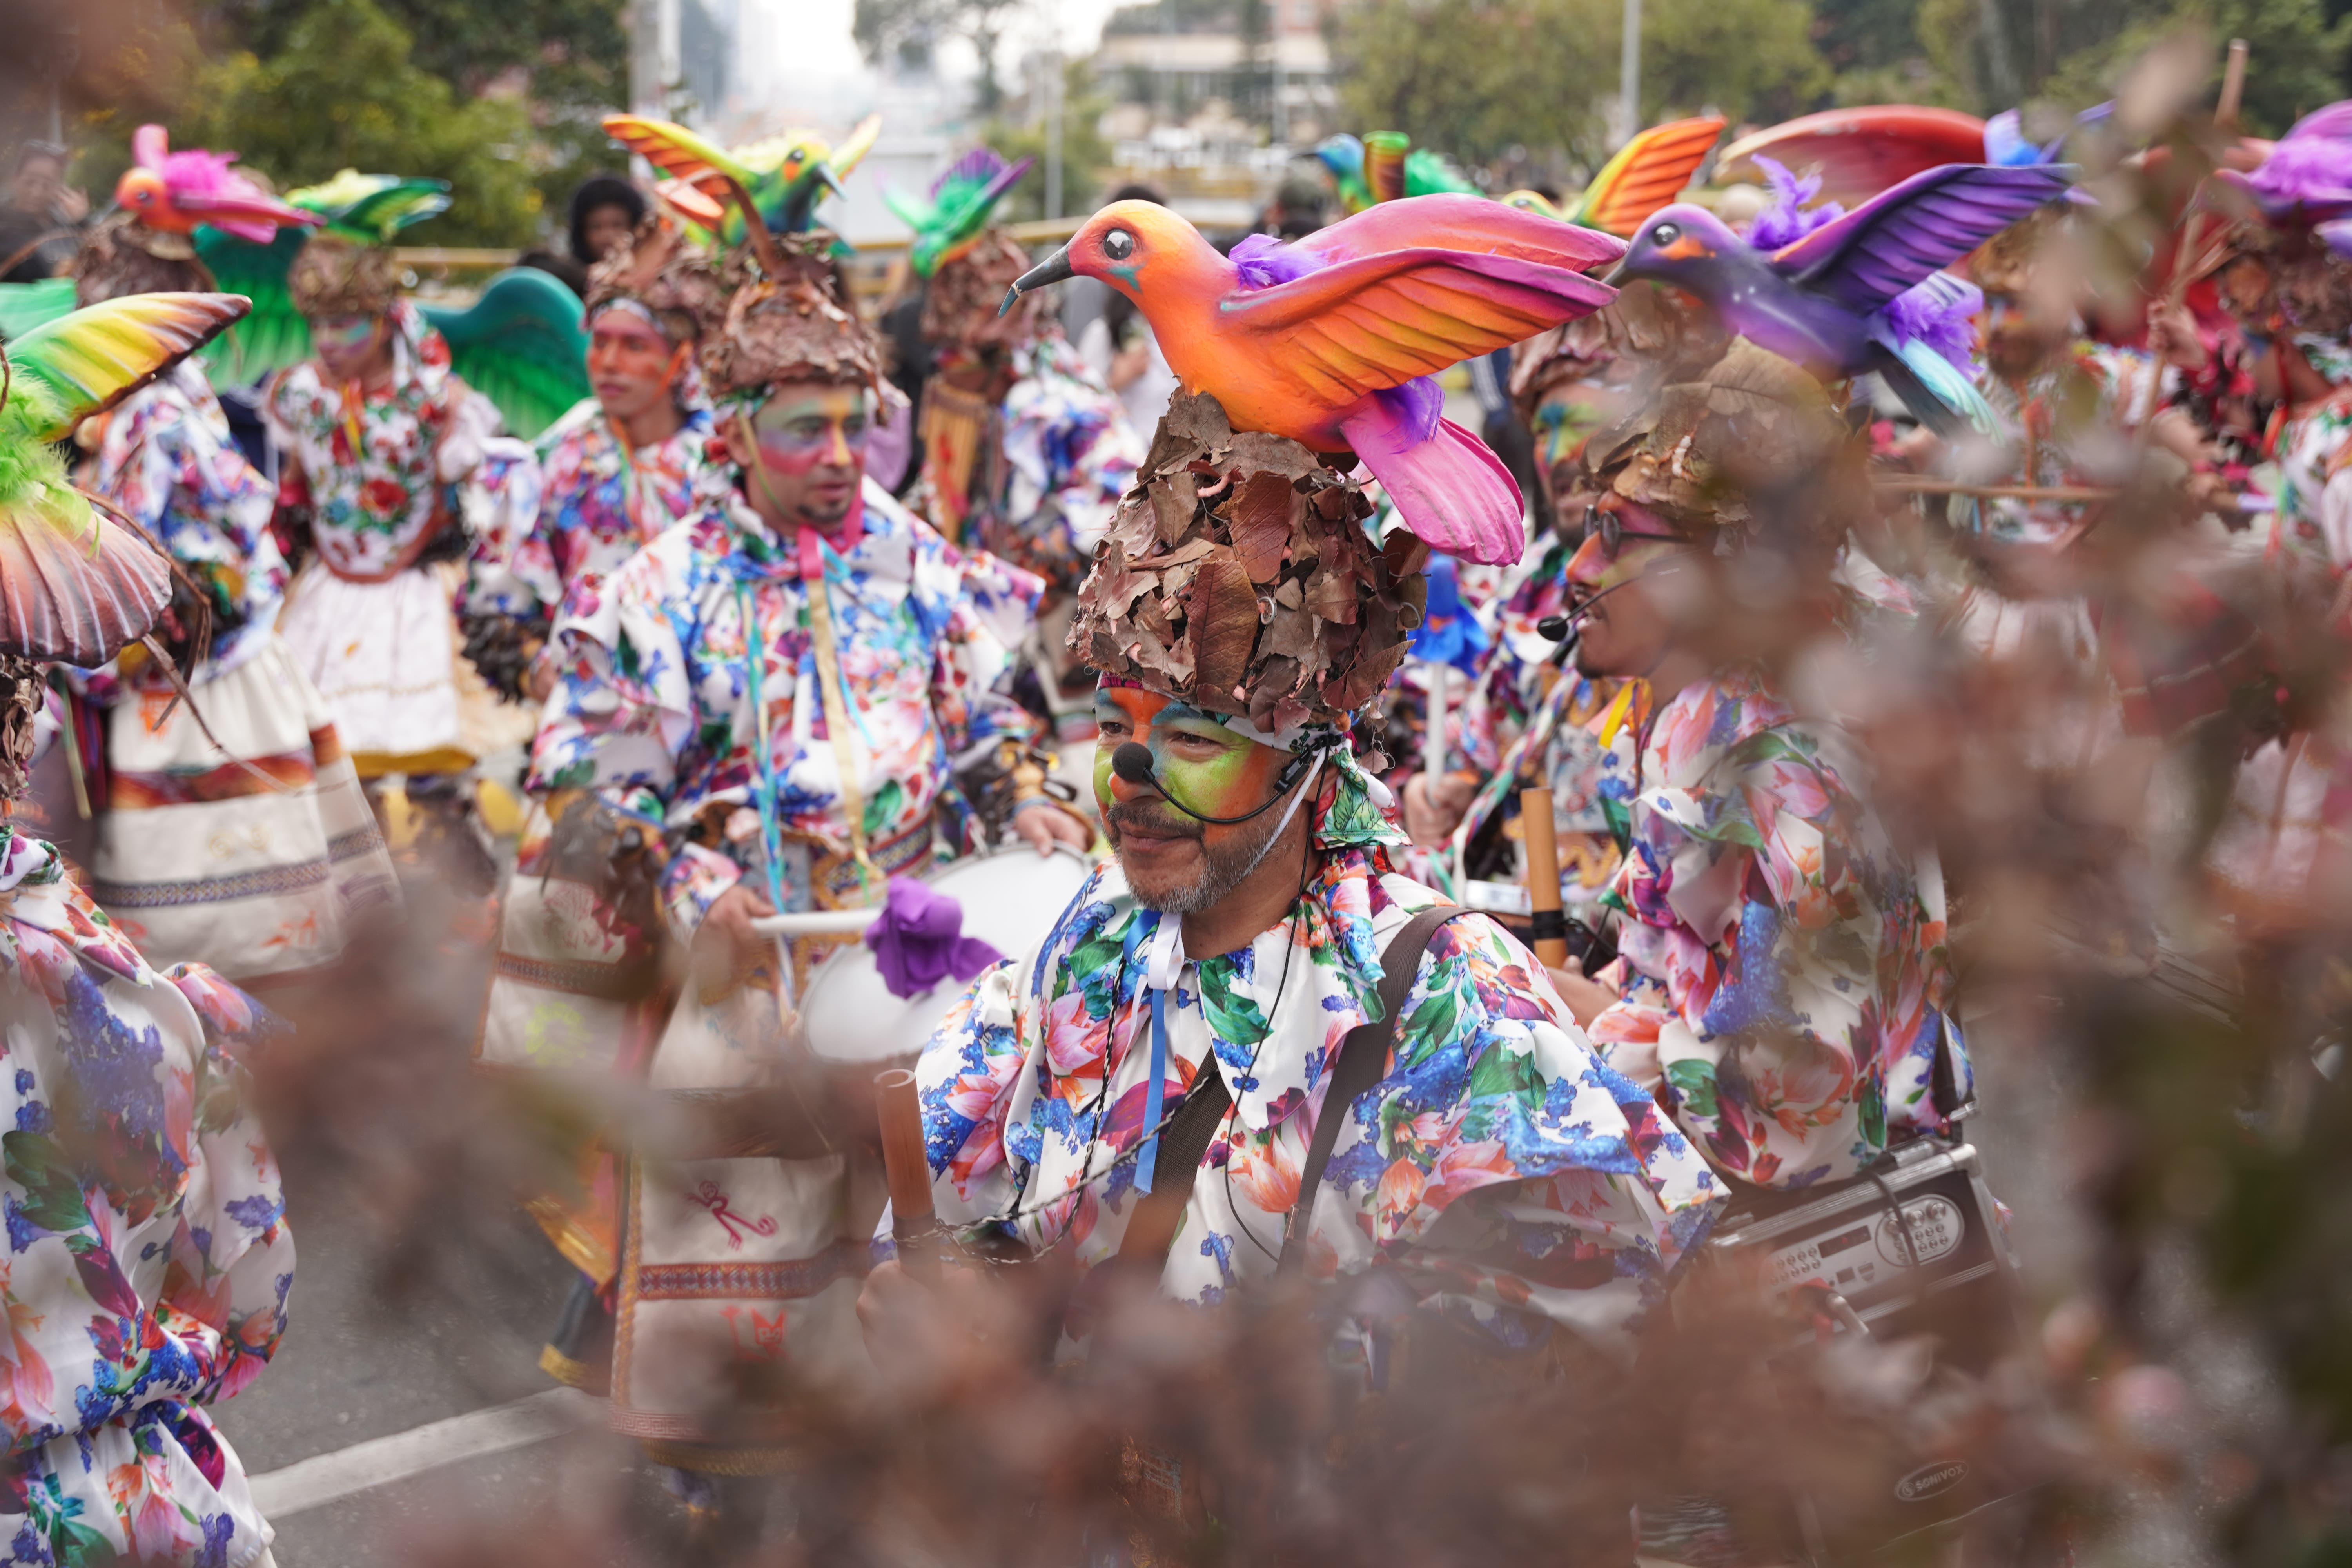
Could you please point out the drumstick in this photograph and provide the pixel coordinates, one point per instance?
(1545, 924)
(907, 1170)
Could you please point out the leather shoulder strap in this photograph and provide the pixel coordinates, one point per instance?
(1363, 1062)
(1152, 1230)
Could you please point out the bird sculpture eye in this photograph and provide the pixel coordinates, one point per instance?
(1119, 244)
(1664, 234)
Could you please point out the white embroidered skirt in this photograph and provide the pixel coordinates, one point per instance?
(383, 656)
(250, 861)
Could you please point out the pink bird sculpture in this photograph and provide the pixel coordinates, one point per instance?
(177, 191)
(1332, 339)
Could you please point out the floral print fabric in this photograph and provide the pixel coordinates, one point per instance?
(1784, 972)
(169, 463)
(599, 504)
(1565, 1192)
(2313, 448)
(654, 702)
(370, 466)
(1070, 453)
(148, 1257)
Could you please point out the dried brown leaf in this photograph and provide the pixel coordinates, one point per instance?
(1255, 451)
(1262, 507)
(1173, 504)
(1199, 418)
(1220, 624)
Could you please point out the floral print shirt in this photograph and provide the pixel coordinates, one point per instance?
(168, 462)
(1509, 1178)
(2059, 426)
(371, 466)
(599, 504)
(148, 1256)
(2313, 448)
(1784, 974)
(653, 700)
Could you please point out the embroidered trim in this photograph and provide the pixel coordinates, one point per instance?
(271, 881)
(579, 977)
(782, 1280)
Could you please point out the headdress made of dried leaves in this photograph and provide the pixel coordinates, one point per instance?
(960, 307)
(121, 256)
(334, 275)
(661, 270)
(1747, 443)
(789, 329)
(1238, 578)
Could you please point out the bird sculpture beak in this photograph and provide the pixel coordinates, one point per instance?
(831, 181)
(1055, 268)
(1615, 277)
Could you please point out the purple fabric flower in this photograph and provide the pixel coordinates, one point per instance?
(1937, 313)
(1263, 261)
(1788, 219)
(919, 940)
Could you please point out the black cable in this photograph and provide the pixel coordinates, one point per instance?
(1132, 762)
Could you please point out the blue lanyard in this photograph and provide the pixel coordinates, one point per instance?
(764, 778)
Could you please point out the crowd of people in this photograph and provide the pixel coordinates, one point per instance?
(1832, 544)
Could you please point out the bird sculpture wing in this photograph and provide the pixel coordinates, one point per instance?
(1428, 173)
(86, 362)
(150, 145)
(274, 335)
(1647, 173)
(1861, 152)
(74, 584)
(23, 305)
(694, 204)
(373, 207)
(521, 346)
(1894, 241)
(1460, 222)
(676, 151)
(2309, 170)
(961, 200)
(1372, 323)
(856, 145)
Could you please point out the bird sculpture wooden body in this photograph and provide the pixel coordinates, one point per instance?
(1332, 340)
(175, 192)
(1863, 292)
(783, 176)
(960, 202)
(75, 584)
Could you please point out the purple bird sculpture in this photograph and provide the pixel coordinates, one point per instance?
(1863, 293)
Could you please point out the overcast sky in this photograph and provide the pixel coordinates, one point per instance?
(818, 52)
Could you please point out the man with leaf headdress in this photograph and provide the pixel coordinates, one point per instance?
(149, 1255)
(778, 693)
(1251, 1049)
(1024, 450)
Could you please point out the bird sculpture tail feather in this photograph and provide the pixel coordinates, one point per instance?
(1946, 401)
(1450, 489)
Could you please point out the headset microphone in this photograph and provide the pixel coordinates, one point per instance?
(1132, 762)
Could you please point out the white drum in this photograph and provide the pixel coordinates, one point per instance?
(1011, 899)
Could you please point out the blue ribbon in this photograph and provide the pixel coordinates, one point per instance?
(1154, 1094)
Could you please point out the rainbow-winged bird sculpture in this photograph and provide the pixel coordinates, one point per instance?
(75, 584)
(1332, 340)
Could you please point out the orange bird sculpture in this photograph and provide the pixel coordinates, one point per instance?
(175, 192)
(1332, 339)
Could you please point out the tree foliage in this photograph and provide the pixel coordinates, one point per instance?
(908, 31)
(1497, 81)
(1085, 153)
(343, 90)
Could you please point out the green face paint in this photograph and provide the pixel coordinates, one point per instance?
(1202, 764)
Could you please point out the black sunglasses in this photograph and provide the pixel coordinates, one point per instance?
(1612, 532)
